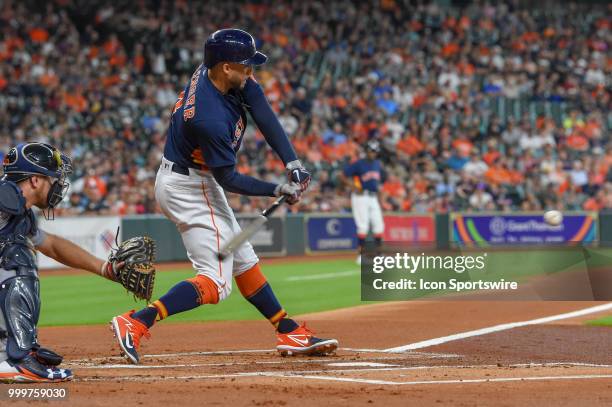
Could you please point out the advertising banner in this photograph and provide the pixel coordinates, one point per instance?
(331, 233)
(94, 234)
(507, 229)
(270, 239)
(410, 228)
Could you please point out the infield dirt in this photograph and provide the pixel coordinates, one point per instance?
(233, 363)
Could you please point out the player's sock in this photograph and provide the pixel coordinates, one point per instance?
(378, 243)
(256, 290)
(147, 315)
(182, 297)
(287, 325)
(360, 243)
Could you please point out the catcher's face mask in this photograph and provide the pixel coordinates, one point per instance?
(60, 185)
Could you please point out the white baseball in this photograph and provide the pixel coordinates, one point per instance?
(553, 218)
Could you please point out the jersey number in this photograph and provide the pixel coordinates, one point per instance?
(179, 102)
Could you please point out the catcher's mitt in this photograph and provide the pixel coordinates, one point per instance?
(131, 264)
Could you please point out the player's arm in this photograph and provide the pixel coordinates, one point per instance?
(215, 143)
(267, 122)
(273, 132)
(232, 181)
(347, 176)
(69, 254)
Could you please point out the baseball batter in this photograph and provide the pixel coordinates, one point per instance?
(35, 174)
(365, 176)
(206, 129)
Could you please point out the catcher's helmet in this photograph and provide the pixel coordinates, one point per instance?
(28, 159)
(232, 45)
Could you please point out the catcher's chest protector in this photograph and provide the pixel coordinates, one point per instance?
(16, 224)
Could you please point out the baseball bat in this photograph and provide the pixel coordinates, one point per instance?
(251, 229)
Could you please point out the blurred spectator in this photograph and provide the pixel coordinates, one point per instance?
(488, 106)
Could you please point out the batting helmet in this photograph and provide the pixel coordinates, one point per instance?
(232, 45)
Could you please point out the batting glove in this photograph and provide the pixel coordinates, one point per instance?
(292, 190)
(298, 174)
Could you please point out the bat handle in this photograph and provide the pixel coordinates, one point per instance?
(269, 211)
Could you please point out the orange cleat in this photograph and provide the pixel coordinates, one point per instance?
(301, 341)
(128, 332)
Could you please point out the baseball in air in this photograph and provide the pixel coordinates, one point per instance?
(553, 218)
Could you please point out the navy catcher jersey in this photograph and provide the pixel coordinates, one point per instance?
(206, 127)
(18, 220)
(367, 174)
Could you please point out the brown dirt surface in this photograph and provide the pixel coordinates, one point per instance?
(234, 363)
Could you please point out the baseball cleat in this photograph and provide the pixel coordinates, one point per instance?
(301, 341)
(30, 370)
(128, 332)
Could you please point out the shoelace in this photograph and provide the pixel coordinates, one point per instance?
(138, 332)
(307, 330)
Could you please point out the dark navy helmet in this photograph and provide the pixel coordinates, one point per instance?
(232, 45)
(28, 159)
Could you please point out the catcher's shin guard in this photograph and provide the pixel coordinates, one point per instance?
(19, 312)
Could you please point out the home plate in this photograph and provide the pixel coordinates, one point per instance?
(361, 364)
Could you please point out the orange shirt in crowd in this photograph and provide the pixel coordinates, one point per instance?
(48, 79)
(394, 188)
(463, 146)
(97, 183)
(76, 101)
(138, 62)
(491, 156)
(577, 141)
(591, 204)
(410, 145)
(498, 175)
(39, 35)
(244, 168)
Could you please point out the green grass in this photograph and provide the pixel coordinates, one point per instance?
(88, 299)
(605, 321)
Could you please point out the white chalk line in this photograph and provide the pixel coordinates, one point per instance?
(415, 354)
(498, 328)
(318, 374)
(325, 276)
(368, 369)
(456, 381)
(284, 361)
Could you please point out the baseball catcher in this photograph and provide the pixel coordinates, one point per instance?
(35, 174)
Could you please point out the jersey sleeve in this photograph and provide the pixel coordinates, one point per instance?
(350, 169)
(215, 141)
(38, 237)
(267, 121)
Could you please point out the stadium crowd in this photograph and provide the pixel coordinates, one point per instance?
(485, 107)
